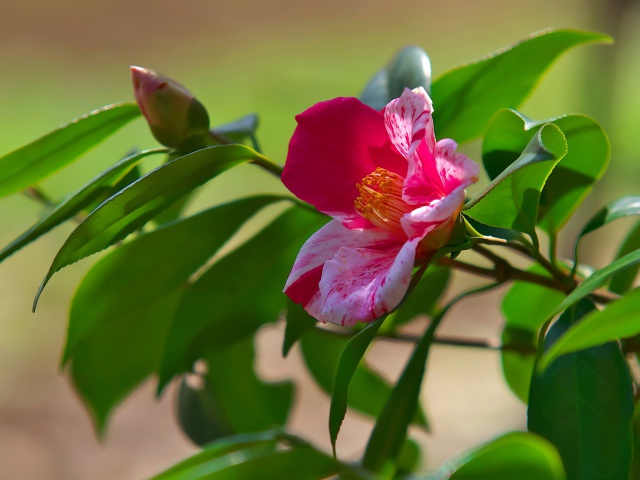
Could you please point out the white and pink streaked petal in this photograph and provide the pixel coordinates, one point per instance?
(454, 168)
(419, 222)
(360, 285)
(408, 121)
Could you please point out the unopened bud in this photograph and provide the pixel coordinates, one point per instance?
(176, 118)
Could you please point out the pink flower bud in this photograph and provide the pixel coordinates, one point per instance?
(176, 118)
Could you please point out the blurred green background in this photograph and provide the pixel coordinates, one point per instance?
(276, 57)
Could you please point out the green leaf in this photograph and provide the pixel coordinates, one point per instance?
(516, 455)
(298, 323)
(237, 294)
(620, 208)
(583, 404)
(511, 199)
(467, 97)
(622, 280)
(122, 311)
(586, 159)
(368, 391)
(521, 329)
(620, 319)
(409, 68)
(240, 129)
(142, 200)
(78, 201)
(351, 356)
(246, 402)
(598, 279)
(40, 158)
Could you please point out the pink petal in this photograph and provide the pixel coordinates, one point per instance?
(362, 284)
(302, 284)
(336, 144)
(419, 222)
(454, 168)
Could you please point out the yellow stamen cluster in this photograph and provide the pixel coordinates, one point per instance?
(380, 200)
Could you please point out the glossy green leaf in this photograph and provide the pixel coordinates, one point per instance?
(238, 130)
(40, 158)
(351, 356)
(409, 68)
(598, 279)
(620, 319)
(511, 199)
(467, 97)
(583, 404)
(368, 391)
(521, 329)
(298, 323)
(78, 201)
(622, 280)
(237, 294)
(122, 311)
(247, 403)
(142, 200)
(514, 456)
(586, 159)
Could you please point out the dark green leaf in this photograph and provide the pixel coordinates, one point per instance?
(622, 280)
(123, 308)
(583, 404)
(78, 201)
(42, 157)
(571, 180)
(409, 68)
(139, 202)
(298, 323)
(238, 130)
(467, 97)
(514, 456)
(351, 356)
(238, 294)
(368, 391)
(521, 329)
(598, 279)
(619, 319)
(511, 199)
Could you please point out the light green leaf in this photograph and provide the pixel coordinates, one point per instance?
(132, 207)
(586, 159)
(583, 404)
(78, 201)
(516, 455)
(40, 158)
(620, 319)
(511, 199)
(466, 97)
(121, 313)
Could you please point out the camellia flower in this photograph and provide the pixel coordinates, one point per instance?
(394, 193)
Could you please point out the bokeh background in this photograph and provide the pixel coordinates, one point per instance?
(276, 57)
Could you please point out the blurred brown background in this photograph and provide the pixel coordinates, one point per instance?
(277, 57)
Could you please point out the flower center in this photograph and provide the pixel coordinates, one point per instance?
(380, 200)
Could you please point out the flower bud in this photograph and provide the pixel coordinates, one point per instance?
(176, 118)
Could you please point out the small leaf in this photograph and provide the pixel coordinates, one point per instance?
(121, 313)
(142, 200)
(620, 319)
(298, 323)
(42, 157)
(583, 404)
(347, 367)
(521, 329)
(516, 455)
(586, 159)
(467, 97)
(511, 199)
(368, 391)
(598, 279)
(77, 201)
(622, 280)
(240, 129)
